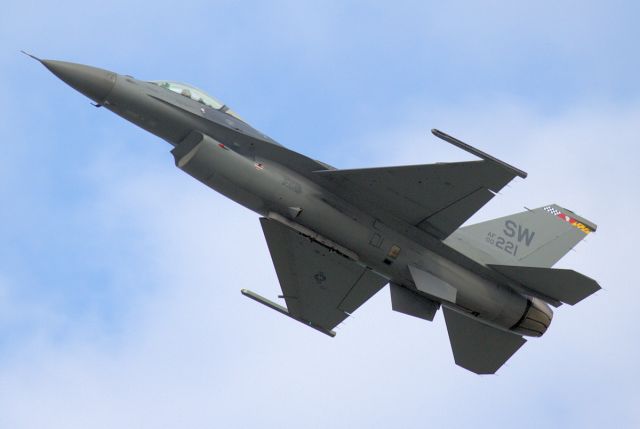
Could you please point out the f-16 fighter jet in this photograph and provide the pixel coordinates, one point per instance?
(337, 237)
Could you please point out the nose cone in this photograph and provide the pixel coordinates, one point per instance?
(93, 82)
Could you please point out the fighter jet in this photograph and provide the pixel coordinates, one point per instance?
(338, 236)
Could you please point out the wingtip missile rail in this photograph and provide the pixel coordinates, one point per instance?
(280, 309)
(477, 152)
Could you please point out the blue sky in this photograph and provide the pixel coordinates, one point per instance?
(120, 275)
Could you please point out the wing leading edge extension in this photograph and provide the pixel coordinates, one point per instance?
(320, 286)
(436, 198)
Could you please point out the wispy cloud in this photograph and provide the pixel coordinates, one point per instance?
(120, 275)
(188, 349)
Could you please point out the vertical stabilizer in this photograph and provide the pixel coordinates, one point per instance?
(536, 238)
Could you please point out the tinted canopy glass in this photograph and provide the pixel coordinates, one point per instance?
(195, 94)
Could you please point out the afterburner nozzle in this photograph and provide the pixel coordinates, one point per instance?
(536, 319)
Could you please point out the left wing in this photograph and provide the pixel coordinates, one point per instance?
(437, 198)
(320, 286)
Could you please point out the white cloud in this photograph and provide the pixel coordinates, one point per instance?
(193, 352)
(153, 332)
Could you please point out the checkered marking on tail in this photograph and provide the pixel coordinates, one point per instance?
(552, 210)
(573, 222)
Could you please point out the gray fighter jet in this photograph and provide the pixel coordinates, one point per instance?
(337, 237)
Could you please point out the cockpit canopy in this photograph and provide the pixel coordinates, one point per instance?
(196, 94)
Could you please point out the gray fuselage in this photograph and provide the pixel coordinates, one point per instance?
(212, 144)
(275, 190)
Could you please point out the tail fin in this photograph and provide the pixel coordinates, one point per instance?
(535, 238)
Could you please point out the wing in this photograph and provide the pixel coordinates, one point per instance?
(320, 286)
(436, 198)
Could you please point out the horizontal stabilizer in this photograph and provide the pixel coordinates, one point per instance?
(406, 301)
(478, 347)
(558, 284)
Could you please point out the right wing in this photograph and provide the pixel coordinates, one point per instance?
(320, 286)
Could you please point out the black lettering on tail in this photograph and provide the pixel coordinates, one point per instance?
(526, 234)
